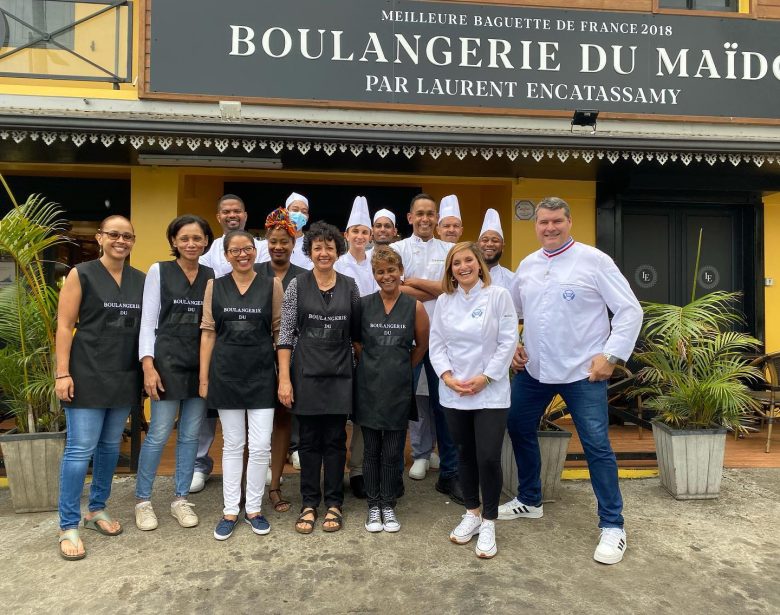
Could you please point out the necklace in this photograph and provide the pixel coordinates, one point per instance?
(326, 284)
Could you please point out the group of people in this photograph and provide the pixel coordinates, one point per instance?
(326, 326)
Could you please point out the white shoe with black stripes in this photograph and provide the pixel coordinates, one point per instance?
(612, 545)
(515, 509)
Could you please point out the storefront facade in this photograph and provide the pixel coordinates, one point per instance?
(135, 110)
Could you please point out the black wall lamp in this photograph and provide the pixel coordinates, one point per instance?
(585, 117)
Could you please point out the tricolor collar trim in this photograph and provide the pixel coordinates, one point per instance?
(561, 250)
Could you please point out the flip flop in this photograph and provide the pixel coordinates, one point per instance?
(92, 524)
(71, 536)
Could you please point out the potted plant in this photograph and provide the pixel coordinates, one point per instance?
(553, 444)
(32, 451)
(694, 375)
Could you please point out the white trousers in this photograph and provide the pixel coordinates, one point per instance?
(234, 429)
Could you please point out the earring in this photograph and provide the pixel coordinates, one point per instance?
(480, 274)
(453, 280)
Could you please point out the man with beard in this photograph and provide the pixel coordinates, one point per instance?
(384, 228)
(491, 243)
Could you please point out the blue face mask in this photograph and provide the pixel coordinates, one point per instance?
(298, 219)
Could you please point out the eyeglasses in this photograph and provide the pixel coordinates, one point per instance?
(114, 235)
(240, 251)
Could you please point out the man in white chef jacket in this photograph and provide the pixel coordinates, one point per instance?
(384, 230)
(356, 263)
(563, 292)
(423, 258)
(231, 215)
(491, 244)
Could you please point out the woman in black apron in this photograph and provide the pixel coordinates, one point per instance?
(393, 339)
(170, 352)
(238, 376)
(280, 238)
(320, 317)
(98, 376)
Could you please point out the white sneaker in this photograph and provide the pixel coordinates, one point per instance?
(419, 469)
(433, 462)
(486, 543)
(181, 510)
(612, 545)
(374, 520)
(198, 481)
(389, 521)
(467, 529)
(515, 509)
(295, 460)
(145, 519)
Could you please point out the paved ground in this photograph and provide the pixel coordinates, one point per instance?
(719, 556)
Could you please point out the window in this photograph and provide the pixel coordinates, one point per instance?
(728, 6)
(43, 15)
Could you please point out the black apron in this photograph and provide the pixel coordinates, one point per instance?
(242, 372)
(266, 269)
(384, 388)
(177, 342)
(322, 359)
(104, 356)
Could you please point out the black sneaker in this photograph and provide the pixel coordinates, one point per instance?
(358, 487)
(450, 487)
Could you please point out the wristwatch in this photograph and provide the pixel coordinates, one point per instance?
(611, 359)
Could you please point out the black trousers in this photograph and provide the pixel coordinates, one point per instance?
(382, 468)
(322, 446)
(478, 436)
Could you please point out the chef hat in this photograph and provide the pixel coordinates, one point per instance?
(296, 197)
(492, 223)
(449, 207)
(359, 213)
(385, 213)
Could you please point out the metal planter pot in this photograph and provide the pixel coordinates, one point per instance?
(553, 445)
(32, 462)
(690, 461)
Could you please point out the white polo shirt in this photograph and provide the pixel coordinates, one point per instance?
(423, 259)
(563, 300)
(215, 257)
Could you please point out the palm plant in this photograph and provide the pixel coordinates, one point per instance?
(28, 314)
(694, 366)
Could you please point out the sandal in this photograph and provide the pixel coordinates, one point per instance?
(72, 536)
(281, 505)
(308, 524)
(333, 515)
(92, 524)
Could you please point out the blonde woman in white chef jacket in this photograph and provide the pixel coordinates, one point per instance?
(473, 338)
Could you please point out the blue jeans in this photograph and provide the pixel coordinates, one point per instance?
(163, 418)
(587, 403)
(448, 453)
(92, 433)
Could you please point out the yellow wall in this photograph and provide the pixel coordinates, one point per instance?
(772, 269)
(199, 196)
(581, 197)
(154, 193)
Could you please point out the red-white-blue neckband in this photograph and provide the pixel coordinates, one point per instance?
(561, 250)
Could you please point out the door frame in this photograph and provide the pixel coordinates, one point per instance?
(609, 233)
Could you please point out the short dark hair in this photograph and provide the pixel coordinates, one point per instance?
(325, 232)
(553, 203)
(229, 197)
(237, 233)
(383, 254)
(420, 197)
(176, 225)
